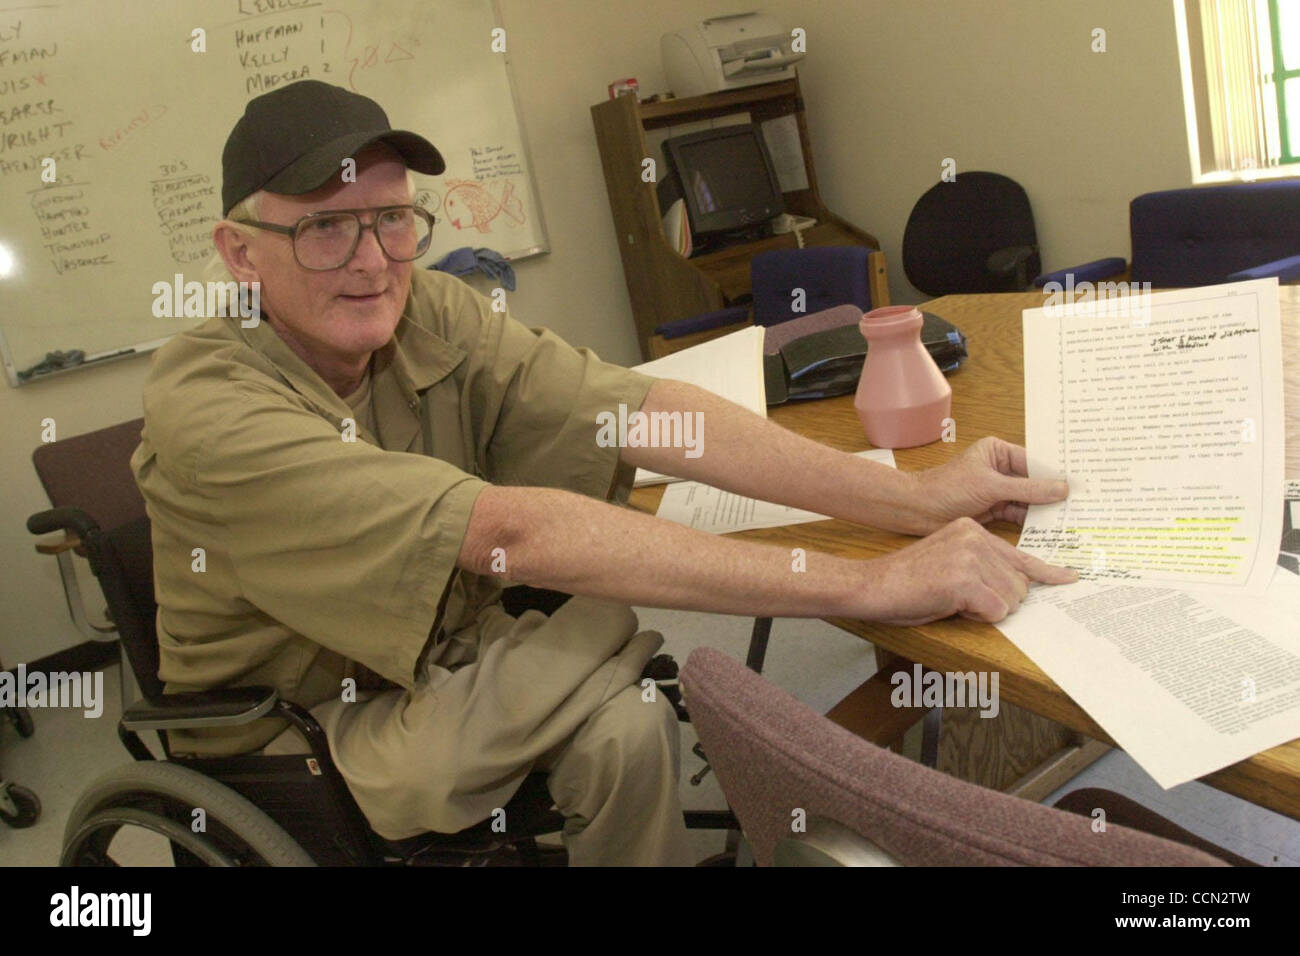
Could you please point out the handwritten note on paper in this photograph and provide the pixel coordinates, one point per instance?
(1165, 416)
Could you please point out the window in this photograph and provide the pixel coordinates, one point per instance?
(1241, 86)
(1284, 23)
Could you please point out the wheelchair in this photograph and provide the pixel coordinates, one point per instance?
(19, 807)
(271, 810)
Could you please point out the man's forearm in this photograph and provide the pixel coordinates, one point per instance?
(565, 541)
(745, 453)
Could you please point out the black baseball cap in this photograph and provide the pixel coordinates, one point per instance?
(292, 140)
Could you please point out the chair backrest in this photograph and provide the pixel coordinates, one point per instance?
(828, 275)
(122, 559)
(774, 757)
(93, 472)
(1202, 235)
(954, 227)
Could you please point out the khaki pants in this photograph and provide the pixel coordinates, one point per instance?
(505, 697)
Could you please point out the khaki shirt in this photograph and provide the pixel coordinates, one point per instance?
(321, 554)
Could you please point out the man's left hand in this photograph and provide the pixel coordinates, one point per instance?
(988, 482)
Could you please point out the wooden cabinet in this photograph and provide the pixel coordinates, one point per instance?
(664, 286)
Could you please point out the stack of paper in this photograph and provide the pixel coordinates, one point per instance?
(1165, 415)
(730, 366)
(705, 508)
(677, 228)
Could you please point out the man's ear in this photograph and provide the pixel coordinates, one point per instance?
(232, 243)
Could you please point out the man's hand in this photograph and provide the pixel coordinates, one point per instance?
(569, 542)
(988, 482)
(751, 456)
(960, 569)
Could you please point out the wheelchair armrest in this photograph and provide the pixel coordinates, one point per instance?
(522, 597)
(224, 707)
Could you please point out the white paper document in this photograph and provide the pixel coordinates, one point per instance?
(783, 145)
(1165, 415)
(1187, 682)
(710, 509)
(1181, 640)
(730, 366)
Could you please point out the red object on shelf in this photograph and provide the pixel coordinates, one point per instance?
(622, 87)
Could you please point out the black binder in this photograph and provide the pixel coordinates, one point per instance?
(828, 363)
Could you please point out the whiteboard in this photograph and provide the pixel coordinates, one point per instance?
(135, 120)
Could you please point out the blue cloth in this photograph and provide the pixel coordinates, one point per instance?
(465, 260)
(458, 262)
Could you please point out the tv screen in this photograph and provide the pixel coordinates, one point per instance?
(726, 177)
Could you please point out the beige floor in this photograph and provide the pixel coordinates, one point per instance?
(815, 662)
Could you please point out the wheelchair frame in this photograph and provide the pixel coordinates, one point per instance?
(257, 809)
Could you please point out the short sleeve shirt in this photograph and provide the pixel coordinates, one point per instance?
(363, 409)
(298, 540)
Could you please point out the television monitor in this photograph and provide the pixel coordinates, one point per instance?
(726, 177)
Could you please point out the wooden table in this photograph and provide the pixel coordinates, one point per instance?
(988, 399)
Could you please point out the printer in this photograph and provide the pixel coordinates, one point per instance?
(727, 53)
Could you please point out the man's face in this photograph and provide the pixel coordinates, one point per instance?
(341, 316)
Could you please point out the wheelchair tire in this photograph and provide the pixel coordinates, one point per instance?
(160, 797)
(26, 806)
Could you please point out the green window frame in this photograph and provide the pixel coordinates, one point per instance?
(1290, 145)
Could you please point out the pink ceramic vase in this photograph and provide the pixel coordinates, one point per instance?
(902, 398)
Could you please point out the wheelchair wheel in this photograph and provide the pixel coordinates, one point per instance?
(151, 800)
(19, 807)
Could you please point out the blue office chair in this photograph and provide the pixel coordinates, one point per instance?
(827, 275)
(1205, 235)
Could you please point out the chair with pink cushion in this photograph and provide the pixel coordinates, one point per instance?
(808, 792)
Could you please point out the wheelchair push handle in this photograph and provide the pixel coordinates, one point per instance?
(62, 519)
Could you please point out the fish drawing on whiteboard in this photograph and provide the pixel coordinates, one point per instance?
(469, 203)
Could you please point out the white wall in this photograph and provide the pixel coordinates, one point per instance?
(892, 88)
(35, 618)
(1012, 86)
(565, 53)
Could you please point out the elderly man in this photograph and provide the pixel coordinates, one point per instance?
(339, 491)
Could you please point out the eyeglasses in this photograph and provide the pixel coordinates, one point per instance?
(326, 240)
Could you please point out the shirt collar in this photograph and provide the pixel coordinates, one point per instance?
(413, 360)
